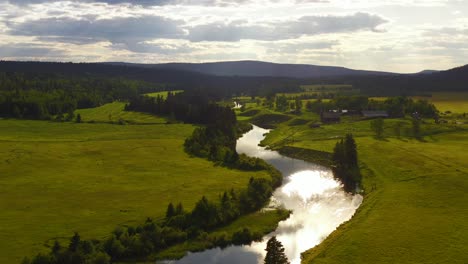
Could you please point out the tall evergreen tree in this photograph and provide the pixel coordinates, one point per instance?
(170, 212)
(74, 242)
(351, 151)
(179, 209)
(377, 126)
(346, 167)
(275, 252)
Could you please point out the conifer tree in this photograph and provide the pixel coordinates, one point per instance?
(275, 252)
(170, 212)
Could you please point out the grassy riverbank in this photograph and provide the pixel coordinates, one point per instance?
(58, 178)
(415, 206)
(259, 223)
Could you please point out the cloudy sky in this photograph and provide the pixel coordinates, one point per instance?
(389, 35)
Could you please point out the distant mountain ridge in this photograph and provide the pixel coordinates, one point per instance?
(184, 76)
(426, 72)
(261, 69)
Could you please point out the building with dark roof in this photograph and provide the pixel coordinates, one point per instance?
(374, 114)
(330, 117)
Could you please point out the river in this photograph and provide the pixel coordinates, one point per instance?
(317, 200)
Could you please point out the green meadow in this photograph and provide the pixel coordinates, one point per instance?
(456, 102)
(415, 207)
(162, 93)
(453, 102)
(114, 112)
(58, 178)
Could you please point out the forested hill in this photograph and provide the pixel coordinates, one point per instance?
(226, 86)
(455, 79)
(172, 79)
(368, 82)
(101, 70)
(260, 68)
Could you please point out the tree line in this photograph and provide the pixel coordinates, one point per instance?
(398, 106)
(41, 96)
(346, 167)
(138, 242)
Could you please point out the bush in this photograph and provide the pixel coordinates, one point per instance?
(242, 237)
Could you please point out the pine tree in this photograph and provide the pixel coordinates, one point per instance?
(179, 209)
(275, 252)
(56, 248)
(351, 151)
(74, 242)
(377, 125)
(170, 212)
(78, 118)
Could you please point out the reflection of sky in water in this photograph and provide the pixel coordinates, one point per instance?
(318, 203)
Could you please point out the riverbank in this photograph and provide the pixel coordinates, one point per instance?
(259, 224)
(414, 210)
(312, 194)
(119, 175)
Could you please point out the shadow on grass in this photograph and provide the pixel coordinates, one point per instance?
(380, 138)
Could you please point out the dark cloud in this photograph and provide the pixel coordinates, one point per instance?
(88, 31)
(307, 25)
(139, 2)
(27, 50)
(166, 49)
(133, 33)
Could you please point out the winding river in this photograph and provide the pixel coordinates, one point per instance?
(317, 200)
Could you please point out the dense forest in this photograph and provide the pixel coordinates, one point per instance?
(403, 84)
(226, 86)
(398, 106)
(169, 79)
(43, 96)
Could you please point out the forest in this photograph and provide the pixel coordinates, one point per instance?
(38, 96)
(226, 86)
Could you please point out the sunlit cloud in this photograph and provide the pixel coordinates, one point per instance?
(390, 35)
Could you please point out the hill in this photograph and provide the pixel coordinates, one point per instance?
(409, 84)
(252, 77)
(262, 69)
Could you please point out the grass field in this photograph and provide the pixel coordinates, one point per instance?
(57, 178)
(341, 89)
(114, 112)
(415, 208)
(163, 93)
(454, 102)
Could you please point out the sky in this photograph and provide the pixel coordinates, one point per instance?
(387, 35)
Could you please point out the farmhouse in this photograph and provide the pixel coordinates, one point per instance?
(330, 117)
(374, 114)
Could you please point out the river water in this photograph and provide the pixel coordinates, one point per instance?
(317, 200)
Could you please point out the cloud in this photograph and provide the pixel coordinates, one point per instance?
(280, 30)
(86, 31)
(140, 2)
(27, 50)
(132, 30)
(297, 48)
(159, 48)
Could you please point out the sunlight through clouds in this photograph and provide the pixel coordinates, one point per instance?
(390, 35)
